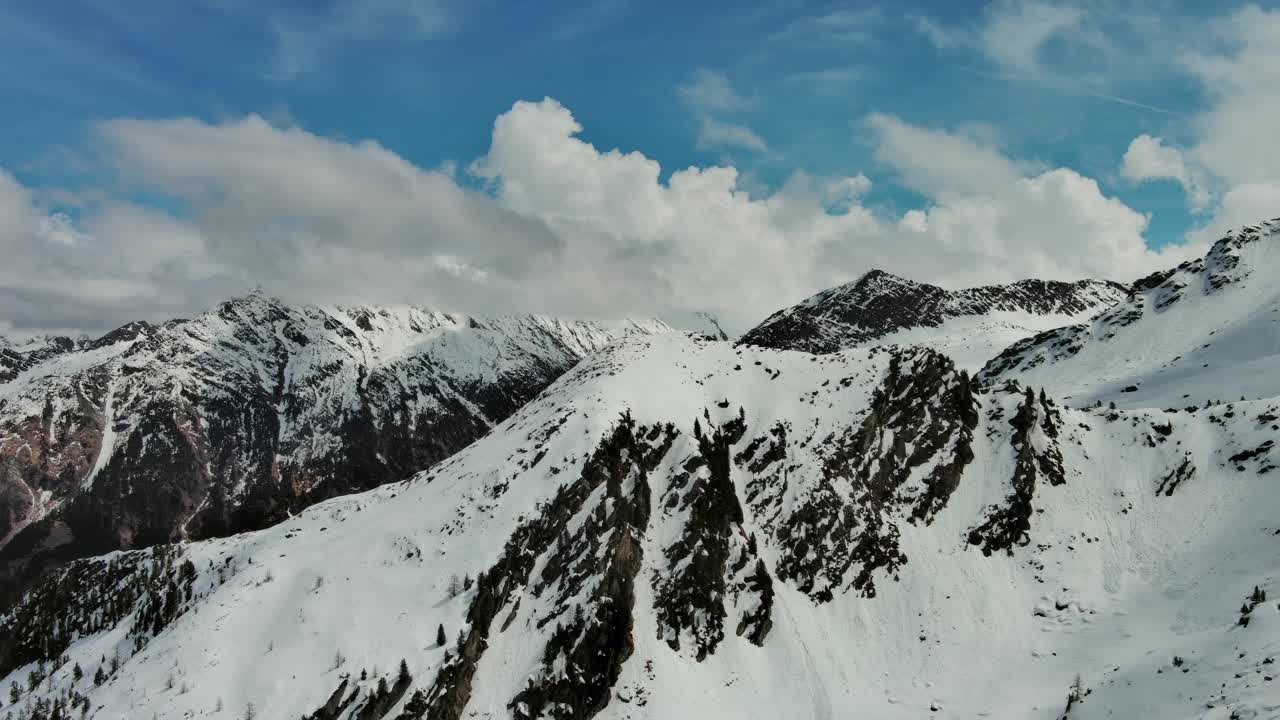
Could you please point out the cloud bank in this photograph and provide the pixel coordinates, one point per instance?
(557, 226)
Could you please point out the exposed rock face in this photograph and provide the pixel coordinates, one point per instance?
(922, 416)
(238, 418)
(706, 563)
(1037, 459)
(879, 304)
(587, 579)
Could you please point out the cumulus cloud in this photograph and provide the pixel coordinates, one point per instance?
(1148, 158)
(997, 219)
(937, 162)
(1236, 59)
(560, 226)
(58, 275)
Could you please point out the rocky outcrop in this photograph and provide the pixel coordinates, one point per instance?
(1036, 459)
(594, 563)
(922, 415)
(714, 560)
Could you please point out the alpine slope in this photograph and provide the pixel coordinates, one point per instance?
(680, 527)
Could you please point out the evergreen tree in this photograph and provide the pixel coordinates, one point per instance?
(441, 638)
(404, 673)
(77, 673)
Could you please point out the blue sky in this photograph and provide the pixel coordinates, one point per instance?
(777, 91)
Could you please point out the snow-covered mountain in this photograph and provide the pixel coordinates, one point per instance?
(248, 413)
(17, 355)
(680, 527)
(969, 325)
(1205, 331)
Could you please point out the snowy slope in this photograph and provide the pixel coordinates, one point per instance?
(680, 528)
(1205, 331)
(247, 413)
(970, 325)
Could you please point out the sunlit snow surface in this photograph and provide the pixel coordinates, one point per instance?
(1208, 331)
(1116, 583)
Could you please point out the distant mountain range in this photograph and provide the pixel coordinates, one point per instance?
(238, 418)
(969, 325)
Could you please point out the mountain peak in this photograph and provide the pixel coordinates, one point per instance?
(1170, 340)
(879, 304)
(876, 278)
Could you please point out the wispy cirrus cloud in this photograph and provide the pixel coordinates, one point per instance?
(843, 27)
(710, 96)
(710, 91)
(307, 36)
(718, 134)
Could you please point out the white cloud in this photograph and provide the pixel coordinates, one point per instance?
(1241, 74)
(58, 275)
(710, 91)
(1011, 33)
(994, 218)
(1236, 59)
(1148, 158)
(710, 94)
(305, 36)
(1016, 30)
(839, 28)
(940, 163)
(717, 134)
(569, 228)
(832, 80)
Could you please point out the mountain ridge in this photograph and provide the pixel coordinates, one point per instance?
(879, 305)
(235, 418)
(727, 519)
(1200, 332)
(684, 527)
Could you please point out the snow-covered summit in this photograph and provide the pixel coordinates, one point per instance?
(971, 325)
(1207, 330)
